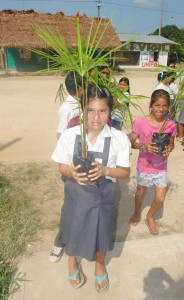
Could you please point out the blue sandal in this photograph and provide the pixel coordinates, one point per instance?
(100, 280)
(74, 278)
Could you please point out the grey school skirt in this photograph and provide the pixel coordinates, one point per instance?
(87, 218)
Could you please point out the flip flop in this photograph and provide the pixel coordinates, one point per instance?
(100, 280)
(150, 230)
(74, 278)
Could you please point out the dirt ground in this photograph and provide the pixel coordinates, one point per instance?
(28, 114)
(28, 122)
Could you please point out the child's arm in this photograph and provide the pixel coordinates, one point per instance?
(171, 144)
(136, 145)
(119, 104)
(170, 147)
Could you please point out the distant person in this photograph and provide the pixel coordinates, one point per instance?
(105, 71)
(172, 64)
(88, 211)
(118, 115)
(180, 120)
(152, 168)
(173, 84)
(165, 78)
(101, 76)
(70, 107)
(105, 77)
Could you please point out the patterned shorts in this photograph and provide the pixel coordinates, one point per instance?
(181, 116)
(157, 179)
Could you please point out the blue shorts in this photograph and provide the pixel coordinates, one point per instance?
(150, 179)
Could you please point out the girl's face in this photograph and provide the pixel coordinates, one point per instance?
(122, 85)
(105, 72)
(98, 114)
(159, 108)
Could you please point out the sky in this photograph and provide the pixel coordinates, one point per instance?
(132, 16)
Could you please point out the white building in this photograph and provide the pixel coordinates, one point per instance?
(144, 51)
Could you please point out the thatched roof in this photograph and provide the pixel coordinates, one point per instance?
(17, 30)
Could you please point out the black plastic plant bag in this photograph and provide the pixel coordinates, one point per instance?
(161, 140)
(85, 166)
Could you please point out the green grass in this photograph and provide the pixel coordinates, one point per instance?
(30, 201)
(19, 223)
(9, 283)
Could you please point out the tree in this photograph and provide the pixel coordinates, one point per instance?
(175, 34)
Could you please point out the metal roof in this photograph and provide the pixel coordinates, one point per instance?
(144, 38)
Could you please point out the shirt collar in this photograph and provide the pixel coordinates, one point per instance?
(71, 99)
(106, 131)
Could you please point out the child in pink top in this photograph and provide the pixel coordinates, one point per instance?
(152, 168)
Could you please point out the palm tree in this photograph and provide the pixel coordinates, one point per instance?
(82, 60)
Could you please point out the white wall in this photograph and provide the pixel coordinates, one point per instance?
(163, 57)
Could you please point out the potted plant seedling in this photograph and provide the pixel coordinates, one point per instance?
(161, 139)
(81, 60)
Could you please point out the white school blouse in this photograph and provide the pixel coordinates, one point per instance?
(69, 109)
(119, 152)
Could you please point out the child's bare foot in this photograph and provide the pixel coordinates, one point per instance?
(152, 225)
(134, 220)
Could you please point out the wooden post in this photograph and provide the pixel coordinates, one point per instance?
(5, 63)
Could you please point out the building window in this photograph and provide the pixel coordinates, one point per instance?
(25, 54)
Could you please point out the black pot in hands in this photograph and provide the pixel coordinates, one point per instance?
(85, 167)
(161, 140)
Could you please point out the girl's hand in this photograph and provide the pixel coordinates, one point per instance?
(77, 176)
(151, 148)
(97, 172)
(167, 150)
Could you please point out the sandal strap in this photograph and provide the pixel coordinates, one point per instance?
(101, 279)
(74, 276)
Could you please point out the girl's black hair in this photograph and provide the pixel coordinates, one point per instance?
(162, 75)
(159, 94)
(100, 92)
(126, 80)
(72, 82)
(100, 68)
